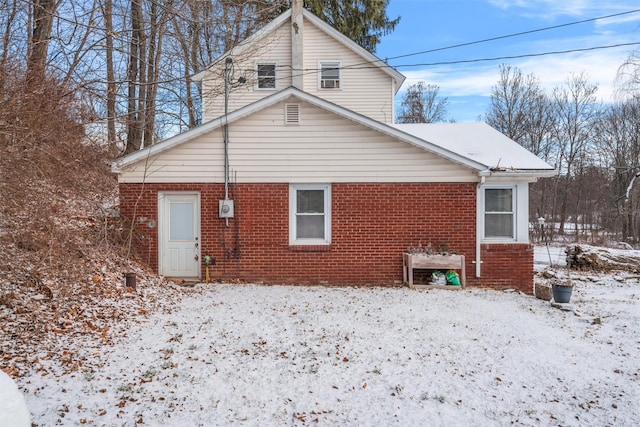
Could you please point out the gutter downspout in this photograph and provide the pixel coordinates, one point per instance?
(479, 223)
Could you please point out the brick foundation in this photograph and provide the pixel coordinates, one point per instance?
(507, 266)
(372, 225)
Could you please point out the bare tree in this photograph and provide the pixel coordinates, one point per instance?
(628, 77)
(201, 33)
(520, 109)
(9, 21)
(576, 110)
(421, 104)
(618, 129)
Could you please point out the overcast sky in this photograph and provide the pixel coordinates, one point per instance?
(435, 24)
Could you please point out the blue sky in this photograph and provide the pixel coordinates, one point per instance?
(433, 24)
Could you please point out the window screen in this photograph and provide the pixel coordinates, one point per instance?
(266, 76)
(499, 213)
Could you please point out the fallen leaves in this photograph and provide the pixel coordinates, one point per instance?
(70, 322)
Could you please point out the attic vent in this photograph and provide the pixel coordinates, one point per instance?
(292, 114)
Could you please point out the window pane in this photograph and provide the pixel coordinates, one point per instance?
(498, 225)
(266, 76)
(330, 72)
(310, 201)
(181, 221)
(330, 75)
(498, 200)
(310, 227)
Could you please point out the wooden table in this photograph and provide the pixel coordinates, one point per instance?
(412, 262)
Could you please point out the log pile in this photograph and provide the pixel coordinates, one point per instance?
(591, 258)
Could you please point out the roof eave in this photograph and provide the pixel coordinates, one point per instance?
(520, 173)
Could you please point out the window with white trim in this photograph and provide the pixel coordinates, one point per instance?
(266, 75)
(499, 213)
(309, 214)
(330, 75)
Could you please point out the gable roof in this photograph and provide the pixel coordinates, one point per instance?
(481, 142)
(368, 58)
(453, 141)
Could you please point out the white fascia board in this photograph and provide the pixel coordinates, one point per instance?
(368, 57)
(519, 173)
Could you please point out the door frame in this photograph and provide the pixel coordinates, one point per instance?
(163, 226)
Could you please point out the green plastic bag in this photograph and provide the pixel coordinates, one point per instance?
(453, 278)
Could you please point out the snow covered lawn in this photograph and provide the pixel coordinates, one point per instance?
(279, 356)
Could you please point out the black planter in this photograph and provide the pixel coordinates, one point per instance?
(562, 293)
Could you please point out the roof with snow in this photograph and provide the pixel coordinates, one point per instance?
(474, 145)
(479, 142)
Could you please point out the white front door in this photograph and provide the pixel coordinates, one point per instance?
(179, 234)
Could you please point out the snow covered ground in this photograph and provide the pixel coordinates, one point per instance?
(545, 256)
(247, 355)
(13, 409)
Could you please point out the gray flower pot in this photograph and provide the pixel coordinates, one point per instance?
(562, 293)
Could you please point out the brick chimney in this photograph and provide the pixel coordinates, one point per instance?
(297, 54)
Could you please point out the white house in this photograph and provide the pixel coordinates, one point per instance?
(299, 175)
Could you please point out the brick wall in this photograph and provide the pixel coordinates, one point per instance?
(372, 225)
(507, 266)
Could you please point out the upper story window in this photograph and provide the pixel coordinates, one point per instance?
(309, 214)
(499, 213)
(266, 75)
(330, 75)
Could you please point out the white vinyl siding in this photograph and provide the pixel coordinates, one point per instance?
(274, 48)
(365, 90)
(323, 147)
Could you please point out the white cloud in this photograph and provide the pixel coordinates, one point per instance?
(552, 71)
(471, 82)
(551, 9)
(476, 79)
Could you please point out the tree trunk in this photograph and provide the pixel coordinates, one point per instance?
(134, 121)
(111, 78)
(43, 13)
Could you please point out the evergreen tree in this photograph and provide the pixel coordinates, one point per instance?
(363, 21)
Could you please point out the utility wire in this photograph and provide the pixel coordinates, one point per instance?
(383, 63)
(514, 34)
(380, 64)
(498, 58)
